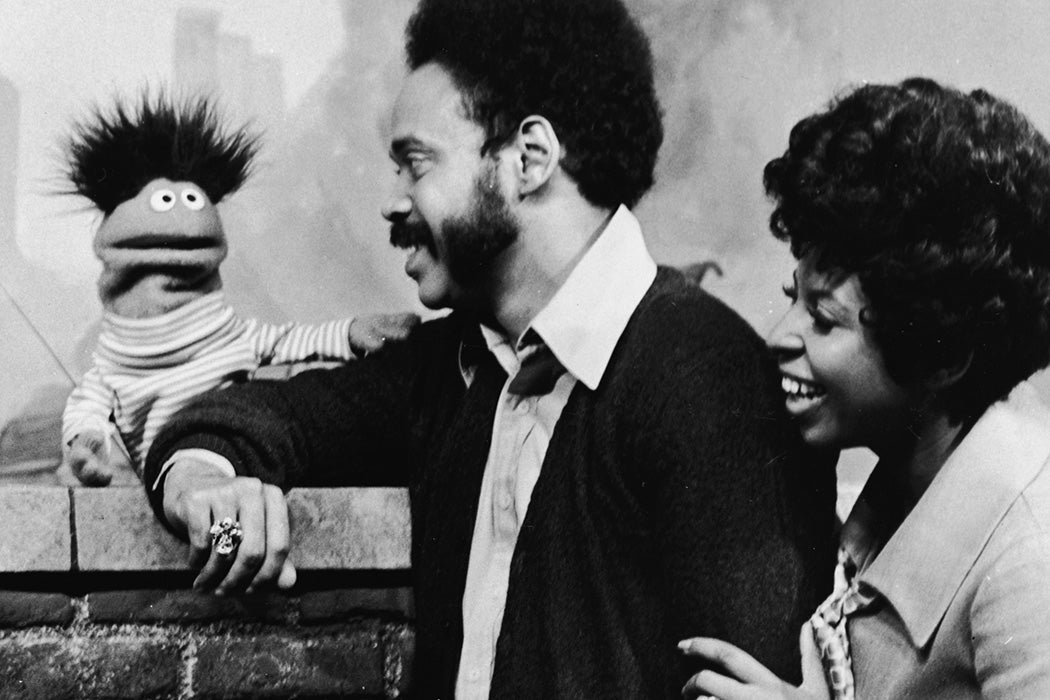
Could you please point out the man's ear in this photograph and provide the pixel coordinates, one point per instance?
(538, 151)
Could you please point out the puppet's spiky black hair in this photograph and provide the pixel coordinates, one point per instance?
(114, 154)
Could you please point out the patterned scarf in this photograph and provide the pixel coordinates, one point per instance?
(829, 627)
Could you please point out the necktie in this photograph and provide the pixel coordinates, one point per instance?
(538, 373)
(829, 627)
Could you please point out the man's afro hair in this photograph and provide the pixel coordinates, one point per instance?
(115, 153)
(585, 65)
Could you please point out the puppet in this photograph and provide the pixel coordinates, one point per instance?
(156, 172)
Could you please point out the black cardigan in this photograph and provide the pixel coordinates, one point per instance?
(675, 500)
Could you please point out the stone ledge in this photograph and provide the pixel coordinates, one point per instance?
(114, 529)
(34, 521)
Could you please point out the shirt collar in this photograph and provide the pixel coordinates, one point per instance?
(585, 318)
(923, 563)
(501, 348)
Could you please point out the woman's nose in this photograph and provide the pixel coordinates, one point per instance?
(785, 338)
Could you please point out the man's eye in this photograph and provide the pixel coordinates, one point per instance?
(417, 166)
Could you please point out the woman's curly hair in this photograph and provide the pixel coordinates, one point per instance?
(585, 65)
(939, 202)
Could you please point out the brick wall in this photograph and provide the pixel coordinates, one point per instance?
(95, 602)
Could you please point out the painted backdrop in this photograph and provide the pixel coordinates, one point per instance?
(317, 78)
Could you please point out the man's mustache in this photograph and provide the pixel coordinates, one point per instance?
(405, 234)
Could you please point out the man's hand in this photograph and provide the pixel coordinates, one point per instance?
(744, 678)
(369, 334)
(95, 460)
(197, 495)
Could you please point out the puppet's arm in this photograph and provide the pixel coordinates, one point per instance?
(335, 340)
(90, 442)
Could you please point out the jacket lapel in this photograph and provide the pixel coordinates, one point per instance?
(924, 563)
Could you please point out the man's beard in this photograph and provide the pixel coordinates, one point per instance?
(472, 240)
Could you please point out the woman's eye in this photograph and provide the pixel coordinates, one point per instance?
(790, 291)
(193, 199)
(821, 322)
(162, 200)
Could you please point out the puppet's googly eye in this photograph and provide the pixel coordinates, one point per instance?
(193, 199)
(162, 200)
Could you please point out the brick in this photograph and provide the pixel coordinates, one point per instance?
(326, 606)
(117, 531)
(399, 653)
(282, 665)
(129, 667)
(149, 606)
(27, 609)
(35, 523)
(36, 669)
(354, 528)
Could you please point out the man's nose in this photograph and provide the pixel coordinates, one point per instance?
(397, 207)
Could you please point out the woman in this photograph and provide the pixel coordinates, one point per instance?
(920, 219)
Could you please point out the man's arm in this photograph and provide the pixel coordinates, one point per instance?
(342, 426)
(744, 524)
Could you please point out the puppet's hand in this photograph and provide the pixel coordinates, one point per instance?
(369, 334)
(88, 458)
(95, 461)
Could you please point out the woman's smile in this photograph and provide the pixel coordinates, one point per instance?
(801, 395)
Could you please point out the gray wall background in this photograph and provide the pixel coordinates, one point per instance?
(306, 238)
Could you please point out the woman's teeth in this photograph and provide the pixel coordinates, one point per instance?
(796, 389)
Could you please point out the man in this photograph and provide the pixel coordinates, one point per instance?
(597, 462)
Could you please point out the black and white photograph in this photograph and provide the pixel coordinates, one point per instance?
(538, 349)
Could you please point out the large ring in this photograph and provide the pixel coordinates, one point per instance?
(226, 536)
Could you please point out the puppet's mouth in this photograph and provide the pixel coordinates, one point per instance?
(151, 241)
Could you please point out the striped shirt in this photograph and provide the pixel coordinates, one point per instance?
(146, 369)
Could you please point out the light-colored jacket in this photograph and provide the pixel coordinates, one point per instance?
(964, 582)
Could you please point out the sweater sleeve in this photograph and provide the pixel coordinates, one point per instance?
(296, 342)
(343, 426)
(89, 407)
(744, 516)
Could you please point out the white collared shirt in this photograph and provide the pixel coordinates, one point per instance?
(581, 325)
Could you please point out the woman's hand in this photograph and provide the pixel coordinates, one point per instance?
(197, 495)
(744, 678)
